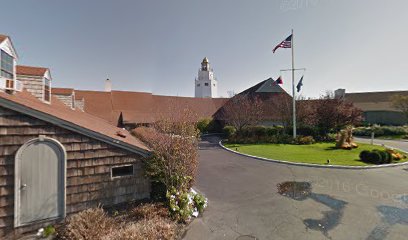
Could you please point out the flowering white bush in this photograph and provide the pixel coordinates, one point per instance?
(183, 206)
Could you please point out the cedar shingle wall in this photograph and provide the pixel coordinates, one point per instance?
(66, 99)
(88, 168)
(33, 84)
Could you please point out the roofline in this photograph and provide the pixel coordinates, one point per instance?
(392, 91)
(12, 45)
(46, 70)
(73, 127)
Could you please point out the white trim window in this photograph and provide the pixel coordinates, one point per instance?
(7, 65)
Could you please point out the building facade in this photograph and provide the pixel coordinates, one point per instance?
(56, 160)
(377, 106)
(206, 84)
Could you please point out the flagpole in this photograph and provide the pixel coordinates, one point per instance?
(293, 88)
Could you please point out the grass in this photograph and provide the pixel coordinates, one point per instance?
(316, 153)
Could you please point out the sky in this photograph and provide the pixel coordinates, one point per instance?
(157, 45)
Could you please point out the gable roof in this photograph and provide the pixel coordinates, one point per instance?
(373, 96)
(83, 123)
(271, 95)
(8, 45)
(266, 86)
(29, 70)
(270, 86)
(3, 37)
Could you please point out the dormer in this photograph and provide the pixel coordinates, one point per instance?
(36, 80)
(8, 61)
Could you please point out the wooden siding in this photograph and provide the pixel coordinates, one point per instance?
(33, 84)
(88, 169)
(66, 99)
(80, 104)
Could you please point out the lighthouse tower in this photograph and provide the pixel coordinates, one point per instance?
(206, 84)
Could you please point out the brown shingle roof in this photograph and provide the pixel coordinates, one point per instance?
(97, 103)
(79, 120)
(28, 70)
(3, 37)
(373, 96)
(62, 91)
(142, 107)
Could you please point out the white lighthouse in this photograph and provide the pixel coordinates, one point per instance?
(206, 84)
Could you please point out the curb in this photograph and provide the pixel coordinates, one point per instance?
(316, 165)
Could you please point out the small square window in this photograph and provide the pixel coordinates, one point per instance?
(122, 171)
(206, 84)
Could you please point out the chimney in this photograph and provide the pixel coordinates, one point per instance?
(108, 85)
(340, 93)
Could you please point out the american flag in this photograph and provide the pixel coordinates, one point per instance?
(287, 43)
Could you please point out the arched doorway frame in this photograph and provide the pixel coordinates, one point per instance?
(17, 177)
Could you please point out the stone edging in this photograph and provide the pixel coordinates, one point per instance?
(316, 165)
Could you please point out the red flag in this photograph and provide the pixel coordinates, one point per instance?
(279, 80)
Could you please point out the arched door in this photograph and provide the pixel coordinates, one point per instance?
(39, 181)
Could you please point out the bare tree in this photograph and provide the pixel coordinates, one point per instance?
(333, 114)
(400, 102)
(241, 111)
(174, 141)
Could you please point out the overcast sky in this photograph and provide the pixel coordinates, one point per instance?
(157, 45)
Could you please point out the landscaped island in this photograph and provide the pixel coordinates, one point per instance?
(317, 153)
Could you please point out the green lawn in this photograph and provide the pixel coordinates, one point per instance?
(316, 153)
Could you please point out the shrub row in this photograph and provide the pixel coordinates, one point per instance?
(245, 138)
(381, 131)
(376, 156)
(275, 134)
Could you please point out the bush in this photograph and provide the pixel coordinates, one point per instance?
(48, 231)
(304, 140)
(376, 156)
(174, 159)
(384, 156)
(229, 131)
(92, 223)
(364, 155)
(182, 205)
(380, 131)
(149, 211)
(202, 125)
(145, 229)
(200, 202)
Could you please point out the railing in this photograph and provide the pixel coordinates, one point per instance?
(10, 84)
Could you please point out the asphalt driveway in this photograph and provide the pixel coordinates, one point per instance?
(244, 202)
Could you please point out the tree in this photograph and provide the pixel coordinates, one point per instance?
(241, 111)
(400, 102)
(174, 142)
(334, 114)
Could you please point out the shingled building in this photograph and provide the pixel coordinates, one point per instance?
(56, 160)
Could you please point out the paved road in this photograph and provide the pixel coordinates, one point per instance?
(403, 145)
(343, 204)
